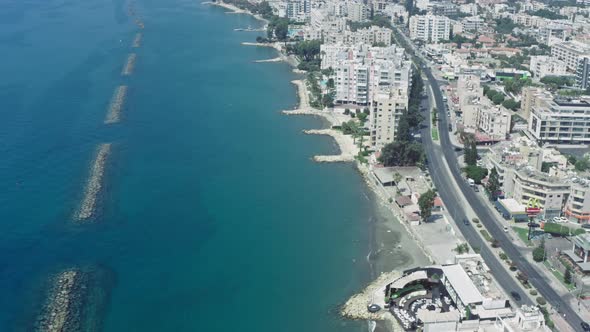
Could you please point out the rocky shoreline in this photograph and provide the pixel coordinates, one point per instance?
(129, 65)
(65, 298)
(116, 105)
(94, 186)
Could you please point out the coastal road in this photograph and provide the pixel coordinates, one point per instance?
(442, 178)
(443, 181)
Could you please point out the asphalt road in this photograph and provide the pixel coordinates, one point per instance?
(484, 212)
(453, 202)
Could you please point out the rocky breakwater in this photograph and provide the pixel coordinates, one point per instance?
(65, 298)
(94, 186)
(137, 40)
(357, 307)
(116, 105)
(129, 65)
(348, 149)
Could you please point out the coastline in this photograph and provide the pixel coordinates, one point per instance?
(347, 153)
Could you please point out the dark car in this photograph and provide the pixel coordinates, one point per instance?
(466, 222)
(515, 295)
(585, 326)
(586, 226)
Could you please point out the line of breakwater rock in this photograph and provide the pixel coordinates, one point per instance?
(94, 185)
(129, 65)
(62, 311)
(278, 59)
(116, 105)
(137, 40)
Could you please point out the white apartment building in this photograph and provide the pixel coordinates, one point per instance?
(561, 121)
(494, 121)
(519, 168)
(430, 28)
(299, 10)
(577, 206)
(570, 51)
(361, 71)
(468, 8)
(398, 13)
(553, 33)
(369, 36)
(542, 65)
(473, 23)
(357, 11)
(386, 109)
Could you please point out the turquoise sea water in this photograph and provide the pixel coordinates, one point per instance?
(213, 217)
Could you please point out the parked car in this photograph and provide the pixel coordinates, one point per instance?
(515, 295)
(505, 229)
(586, 226)
(557, 219)
(564, 219)
(585, 326)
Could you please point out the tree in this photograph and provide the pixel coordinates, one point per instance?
(493, 185)
(426, 202)
(498, 99)
(539, 252)
(567, 276)
(511, 104)
(476, 173)
(402, 132)
(402, 154)
(582, 164)
(281, 30)
(470, 149)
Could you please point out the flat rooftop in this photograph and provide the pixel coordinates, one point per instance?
(462, 284)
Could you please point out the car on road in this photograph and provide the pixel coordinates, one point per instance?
(586, 226)
(585, 326)
(515, 295)
(505, 229)
(556, 219)
(476, 189)
(466, 222)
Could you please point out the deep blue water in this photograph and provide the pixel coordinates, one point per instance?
(213, 216)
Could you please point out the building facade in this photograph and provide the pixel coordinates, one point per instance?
(561, 121)
(430, 28)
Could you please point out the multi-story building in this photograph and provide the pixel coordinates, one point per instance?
(472, 23)
(542, 65)
(369, 36)
(479, 114)
(468, 8)
(553, 33)
(357, 11)
(398, 13)
(533, 97)
(299, 10)
(386, 109)
(561, 121)
(577, 206)
(519, 165)
(430, 28)
(583, 72)
(361, 70)
(444, 8)
(569, 52)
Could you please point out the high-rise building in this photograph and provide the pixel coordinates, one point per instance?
(430, 28)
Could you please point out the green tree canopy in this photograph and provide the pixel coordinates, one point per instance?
(426, 202)
(493, 185)
(476, 173)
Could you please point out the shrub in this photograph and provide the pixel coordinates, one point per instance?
(541, 301)
(479, 225)
(513, 266)
(495, 243)
(533, 292)
(475, 220)
(503, 256)
(486, 235)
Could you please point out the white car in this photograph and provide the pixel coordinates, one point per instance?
(505, 229)
(557, 219)
(564, 219)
